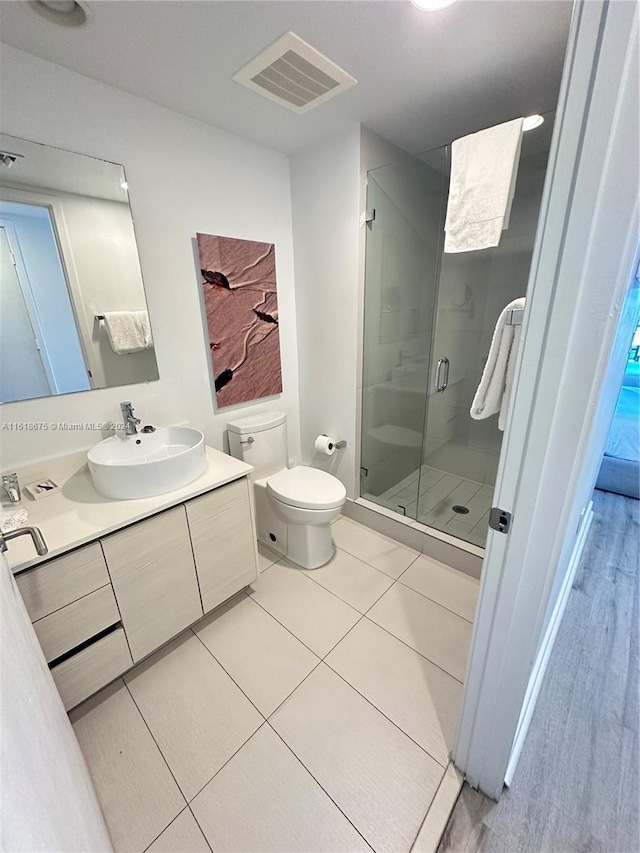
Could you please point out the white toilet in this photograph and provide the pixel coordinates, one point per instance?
(294, 506)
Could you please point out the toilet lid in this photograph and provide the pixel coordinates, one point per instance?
(307, 488)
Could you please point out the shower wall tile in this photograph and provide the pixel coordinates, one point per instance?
(461, 461)
(491, 468)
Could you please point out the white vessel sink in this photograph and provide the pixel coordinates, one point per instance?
(147, 464)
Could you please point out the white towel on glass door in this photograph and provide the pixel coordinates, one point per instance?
(494, 390)
(128, 331)
(484, 168)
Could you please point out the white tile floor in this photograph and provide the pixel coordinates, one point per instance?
(439, 493)
(313, 713)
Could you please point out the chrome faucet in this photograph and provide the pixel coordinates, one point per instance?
(11, 488)
(130, 422)
(35, 534)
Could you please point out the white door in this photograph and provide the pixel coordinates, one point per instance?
(47, 801)
(23, 373)
(584, 262)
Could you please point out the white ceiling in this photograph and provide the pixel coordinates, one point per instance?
(423, 78)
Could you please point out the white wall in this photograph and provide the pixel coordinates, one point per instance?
(104, 259)
(184, 177)
(324, 192)
(328, 190)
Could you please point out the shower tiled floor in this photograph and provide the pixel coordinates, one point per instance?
(439, 493)
(314, 712)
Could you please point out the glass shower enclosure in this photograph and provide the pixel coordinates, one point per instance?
(428, 322)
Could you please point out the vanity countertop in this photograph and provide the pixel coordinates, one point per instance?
(77, 514)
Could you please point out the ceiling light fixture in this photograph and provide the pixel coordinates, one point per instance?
(531, 122)
(67, 13)
(432, 5)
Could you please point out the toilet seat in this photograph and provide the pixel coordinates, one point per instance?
(307, 488)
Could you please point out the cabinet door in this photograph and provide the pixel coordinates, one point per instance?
(223, 542)
(154, 579)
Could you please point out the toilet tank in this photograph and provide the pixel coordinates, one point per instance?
(268, 451)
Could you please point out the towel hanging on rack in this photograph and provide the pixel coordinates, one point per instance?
(128, 331)
(484, 168)
(494, 390)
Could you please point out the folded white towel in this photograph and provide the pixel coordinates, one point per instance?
(12, 519)
(128, 331)
(484, 168)
(494, 390)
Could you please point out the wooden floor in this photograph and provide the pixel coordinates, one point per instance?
(576, 785)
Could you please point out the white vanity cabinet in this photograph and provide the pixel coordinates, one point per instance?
(222, 537)
(154, 579)
(102, 607)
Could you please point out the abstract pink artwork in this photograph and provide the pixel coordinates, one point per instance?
(241, 300)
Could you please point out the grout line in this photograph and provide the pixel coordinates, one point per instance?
(426, 814)
(432, 662)
(362, 615)
(159, 750)
(198, 824)
(289, 695)
(391, 634)
(335, 645)
(307, 574)
(282, 625)
(433, 601)
(182, 811)
(299, 760)
(380, 711)
(395, 542)
(222, 766)
(228, 674)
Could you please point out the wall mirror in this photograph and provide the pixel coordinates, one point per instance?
(73, 312)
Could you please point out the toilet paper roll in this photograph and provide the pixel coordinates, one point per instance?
(325, 444)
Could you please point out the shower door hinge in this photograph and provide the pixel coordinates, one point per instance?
(500, 519)
(364, 472)
(368, 216)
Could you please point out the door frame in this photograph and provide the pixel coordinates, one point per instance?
(585, 258)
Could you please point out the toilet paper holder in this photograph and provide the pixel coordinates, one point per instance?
(339, 445)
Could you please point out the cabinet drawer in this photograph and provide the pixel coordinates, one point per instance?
(83, 674)
(58, 582)
(77, 622)
(222, 498)
(154, 580)
(223, 542)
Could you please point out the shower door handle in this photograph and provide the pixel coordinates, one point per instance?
(442, 375)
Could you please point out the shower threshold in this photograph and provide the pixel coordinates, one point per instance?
(454, 509)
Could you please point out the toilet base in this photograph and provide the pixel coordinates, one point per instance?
(309, 547)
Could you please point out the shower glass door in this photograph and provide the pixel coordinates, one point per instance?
(402, 257)
(429, 319)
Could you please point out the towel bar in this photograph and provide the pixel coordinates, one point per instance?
(515, 317)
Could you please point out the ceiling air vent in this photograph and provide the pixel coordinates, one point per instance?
(294, 74)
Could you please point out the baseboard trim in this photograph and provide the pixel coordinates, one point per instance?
(546, 647)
